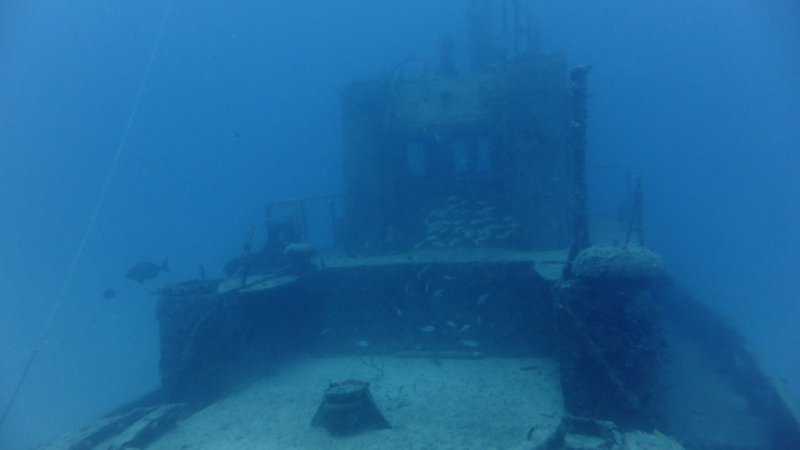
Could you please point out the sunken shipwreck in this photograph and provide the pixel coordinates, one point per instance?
(469, 300)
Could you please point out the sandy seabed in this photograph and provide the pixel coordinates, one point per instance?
(489, 403)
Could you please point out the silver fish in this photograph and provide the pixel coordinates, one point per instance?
(423, 270)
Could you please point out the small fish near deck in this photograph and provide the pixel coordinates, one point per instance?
(373, 306)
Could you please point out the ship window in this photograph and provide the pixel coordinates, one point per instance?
(460, 156)
(472, 155)
(415, 156)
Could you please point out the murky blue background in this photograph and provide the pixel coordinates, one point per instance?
(701, 98)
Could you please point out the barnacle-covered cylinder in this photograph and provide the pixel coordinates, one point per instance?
(608, 338)
(348, 408)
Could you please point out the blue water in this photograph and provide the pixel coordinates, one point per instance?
(241, 106)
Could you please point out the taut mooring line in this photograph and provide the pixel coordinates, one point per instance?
(92, 220)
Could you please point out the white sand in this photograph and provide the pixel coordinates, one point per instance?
(460, 404)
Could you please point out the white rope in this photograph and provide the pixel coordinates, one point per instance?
(92, 220)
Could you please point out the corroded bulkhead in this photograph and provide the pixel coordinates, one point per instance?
(497, 136)
(445, 103)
